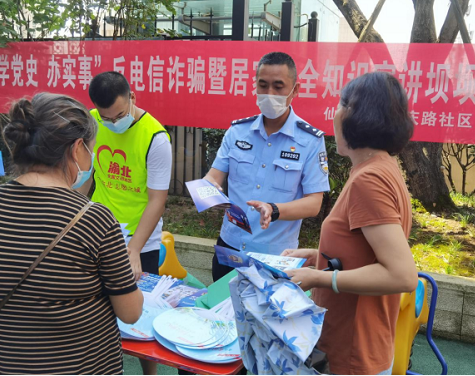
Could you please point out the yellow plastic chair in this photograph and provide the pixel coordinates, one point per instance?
(410, 318)
(169, 264)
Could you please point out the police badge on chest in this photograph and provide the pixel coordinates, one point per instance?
(290, 155)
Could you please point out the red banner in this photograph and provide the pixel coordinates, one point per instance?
(209, 84)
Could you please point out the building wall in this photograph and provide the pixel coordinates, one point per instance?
(345, 33)
(328, 15)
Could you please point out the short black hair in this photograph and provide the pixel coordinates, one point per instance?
(106, 87)
(279, 58)
(377, 114)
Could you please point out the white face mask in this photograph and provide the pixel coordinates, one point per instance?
(273, 106)
(121, 125)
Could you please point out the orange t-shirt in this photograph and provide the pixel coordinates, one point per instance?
(358, 331)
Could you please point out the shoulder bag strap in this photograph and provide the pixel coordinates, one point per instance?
(46, 251)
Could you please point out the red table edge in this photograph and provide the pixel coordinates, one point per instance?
(152, 350)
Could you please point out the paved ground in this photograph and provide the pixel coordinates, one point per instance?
(459, 356)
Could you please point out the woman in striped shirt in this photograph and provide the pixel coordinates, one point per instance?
(62, 318)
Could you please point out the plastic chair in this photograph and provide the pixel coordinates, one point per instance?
(414, 312)
(168, 263)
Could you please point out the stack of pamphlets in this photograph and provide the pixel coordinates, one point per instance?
(199, 333)
(276, 264)
(205, 195)
(182, 296)
(161, 293)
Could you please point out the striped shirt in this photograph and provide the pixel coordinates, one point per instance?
(60, 320)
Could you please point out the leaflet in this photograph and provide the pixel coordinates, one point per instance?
(153, 286)
(205, 195)
(276, 264)
(183, 296)
(160, 293)
(148, 282)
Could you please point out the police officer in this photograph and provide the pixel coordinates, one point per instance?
(276, 165)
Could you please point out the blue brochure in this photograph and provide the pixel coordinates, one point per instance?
(205, 195)
(189, 301)
(149, 281)
(276, 264)
(2, 169)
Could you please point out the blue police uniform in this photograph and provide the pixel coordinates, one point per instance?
(279, 168)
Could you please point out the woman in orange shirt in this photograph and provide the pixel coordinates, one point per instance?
(367, 230)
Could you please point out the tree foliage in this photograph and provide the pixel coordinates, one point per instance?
(41, 19)
(422, 161)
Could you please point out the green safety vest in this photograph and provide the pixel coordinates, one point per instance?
(120, 168)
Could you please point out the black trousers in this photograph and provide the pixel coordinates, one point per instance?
(217, 269)
(149, 261)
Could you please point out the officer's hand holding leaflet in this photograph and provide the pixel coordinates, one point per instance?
(214, 175)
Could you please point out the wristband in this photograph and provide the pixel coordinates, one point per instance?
(275, 212)
(334, 286)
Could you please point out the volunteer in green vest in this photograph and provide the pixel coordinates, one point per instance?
(132, 170)
(132, 167)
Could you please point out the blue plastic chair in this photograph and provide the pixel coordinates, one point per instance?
(430, 321)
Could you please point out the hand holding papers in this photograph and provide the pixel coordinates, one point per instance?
(275, 264)
(205, 195)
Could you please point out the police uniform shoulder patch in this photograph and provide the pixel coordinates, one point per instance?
(245, 120)
(309, 129)
(323, 160)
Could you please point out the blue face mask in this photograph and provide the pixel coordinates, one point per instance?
(83, 176)
(121, 125)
